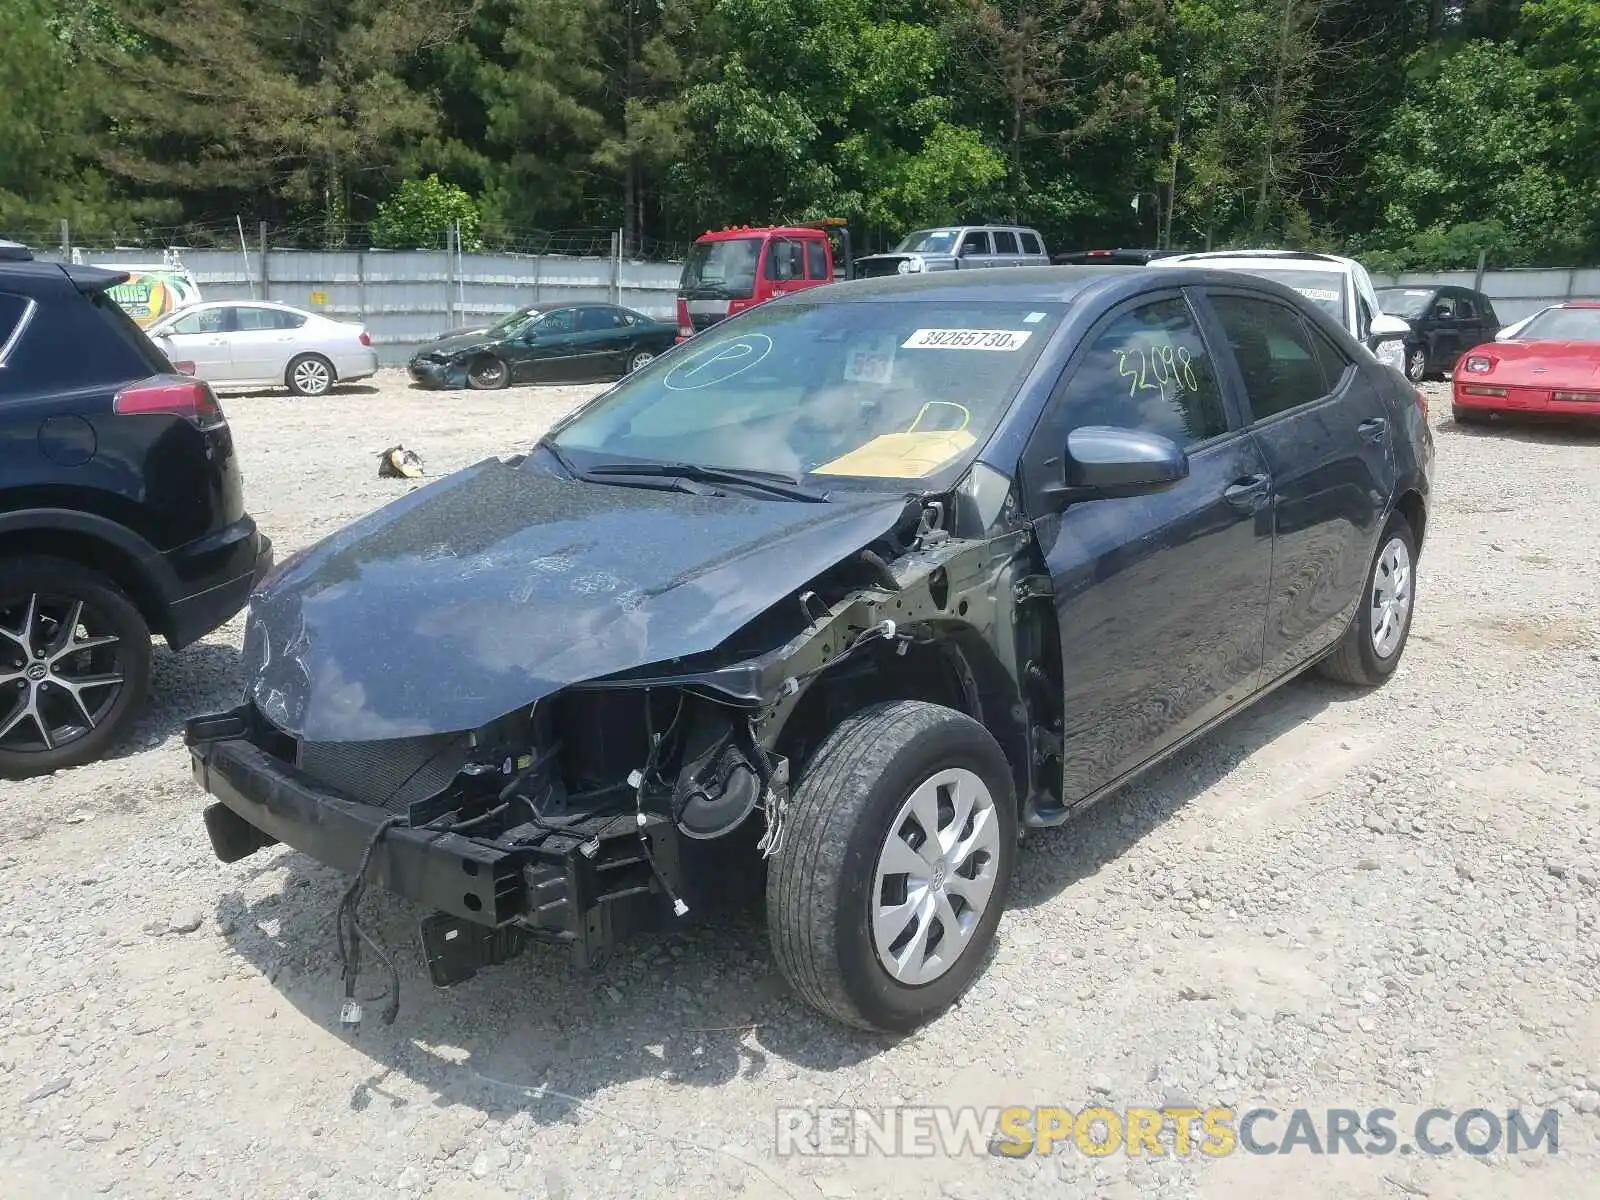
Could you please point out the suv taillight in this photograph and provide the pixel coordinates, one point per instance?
(172, 395)
(366, 338)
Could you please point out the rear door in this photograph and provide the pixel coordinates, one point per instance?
(1324, 431)
(263, 341)
(1007, 250)
(1161, 598)
(602, 340)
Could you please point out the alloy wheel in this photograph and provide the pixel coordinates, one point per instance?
(935, 876)
(640, 361)
(312, 377)
(1391, 597)
(1416, 366)
(60, 671)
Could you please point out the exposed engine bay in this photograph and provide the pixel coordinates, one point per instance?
(624, 803)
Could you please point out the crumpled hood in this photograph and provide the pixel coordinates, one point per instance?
(1542, 364)
(456, 343)
(503, 583)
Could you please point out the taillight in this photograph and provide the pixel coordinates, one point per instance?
(366, 338)
(1422, 402)
(685, 326)
(170, 395)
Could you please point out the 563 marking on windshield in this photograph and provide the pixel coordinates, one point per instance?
(966, 339)
(1172, 368)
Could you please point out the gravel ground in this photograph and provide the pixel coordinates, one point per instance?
(1338, 900)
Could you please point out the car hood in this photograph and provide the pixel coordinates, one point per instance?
(458, 342)
(1542, 364)
(506, 582)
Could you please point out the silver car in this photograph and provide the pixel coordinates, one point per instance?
(954, 246)
(257, 343)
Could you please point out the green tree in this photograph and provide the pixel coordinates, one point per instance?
(421, 210)
(1468, 163)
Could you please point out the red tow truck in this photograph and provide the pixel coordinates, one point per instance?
(730, 270)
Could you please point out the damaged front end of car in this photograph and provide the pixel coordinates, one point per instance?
(617, 804)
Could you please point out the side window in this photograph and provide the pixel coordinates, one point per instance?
(783, 260)
(1335, 362)
(1276, 356)
(254, 320)
(556, 321)
(1465, 308)
(207, 320)
(976, 242)
(1005, 242)
(1147, 369)
(1030, 244)
(591, 320)
(816, 259)
(1445, 308)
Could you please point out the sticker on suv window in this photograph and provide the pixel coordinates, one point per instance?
(1318, 293)
(967, 339)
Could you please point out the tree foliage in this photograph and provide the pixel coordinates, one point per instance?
(1417, 132)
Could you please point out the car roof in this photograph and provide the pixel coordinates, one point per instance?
(1245, 259)
(1046, 285)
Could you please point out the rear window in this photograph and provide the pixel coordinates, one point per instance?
(1030, 244)
(1005, 242)
(74, 342)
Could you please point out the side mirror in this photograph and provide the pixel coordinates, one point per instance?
(1104, 462)
(1387, 340)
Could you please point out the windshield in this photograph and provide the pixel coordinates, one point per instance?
(1563, 325)
(881, 389)
(721, 270)
(511, 322)
(929, 241)
(1404, 302)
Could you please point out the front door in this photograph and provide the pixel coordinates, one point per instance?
(1161, 598)
(785, 266)
(263, 341)
(201, 337)
(1328, 441)
(547, 350)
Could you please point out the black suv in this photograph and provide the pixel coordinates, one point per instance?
(1445, 323)
(121, 513)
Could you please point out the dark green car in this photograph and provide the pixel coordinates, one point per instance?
(544, 343)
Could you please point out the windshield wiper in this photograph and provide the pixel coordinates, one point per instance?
(773, 482)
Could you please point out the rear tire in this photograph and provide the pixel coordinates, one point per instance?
(835, 903)
(310, 375)
(35, 604)
(1371, 648)
(488, 374)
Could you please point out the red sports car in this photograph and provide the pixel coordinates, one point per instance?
(1551, 366)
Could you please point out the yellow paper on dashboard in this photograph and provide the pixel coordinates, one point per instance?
(901, 455)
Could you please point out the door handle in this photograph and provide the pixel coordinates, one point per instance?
(1374, 430)
(1246, 493)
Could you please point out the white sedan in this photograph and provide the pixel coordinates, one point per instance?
(257, 343)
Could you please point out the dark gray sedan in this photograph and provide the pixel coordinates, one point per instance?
(839, 600)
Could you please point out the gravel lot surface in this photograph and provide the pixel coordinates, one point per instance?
(1338, 900)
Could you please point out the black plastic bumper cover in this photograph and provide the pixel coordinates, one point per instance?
(434, 869)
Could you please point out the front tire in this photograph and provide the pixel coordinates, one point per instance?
(876, 919)
(74, 666)
(1371, 648)
(310, 375)
(639, 360)
(1416, 364)
(488, 374)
